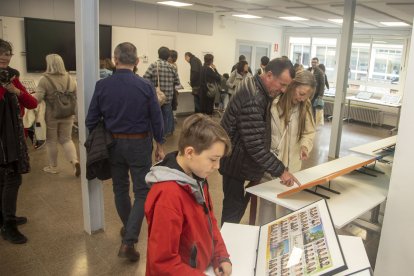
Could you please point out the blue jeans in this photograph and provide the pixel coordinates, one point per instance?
(130, 156)
(167, 115)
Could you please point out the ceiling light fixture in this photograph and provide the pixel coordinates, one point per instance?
(175, 3)
(293, 18)
(395, 24)
(248, 16)
(340, 20)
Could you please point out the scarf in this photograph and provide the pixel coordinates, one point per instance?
(13, 148)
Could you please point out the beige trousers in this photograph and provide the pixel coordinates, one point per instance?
(60, 131)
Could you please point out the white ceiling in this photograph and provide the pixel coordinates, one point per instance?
(369, 13)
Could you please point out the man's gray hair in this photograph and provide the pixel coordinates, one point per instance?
(126, 53)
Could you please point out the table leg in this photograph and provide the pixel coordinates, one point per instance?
(398, 120)
(375, 214)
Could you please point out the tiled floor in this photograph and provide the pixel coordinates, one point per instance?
(59, 246)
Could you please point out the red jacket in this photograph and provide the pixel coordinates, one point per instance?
(25, 99)
(179, 227)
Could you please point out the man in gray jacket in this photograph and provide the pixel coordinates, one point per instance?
(246, 121)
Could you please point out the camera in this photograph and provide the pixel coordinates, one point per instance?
(4, 77)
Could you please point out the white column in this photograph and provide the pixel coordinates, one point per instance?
(395, 252)
(87, 71)
(342, 77)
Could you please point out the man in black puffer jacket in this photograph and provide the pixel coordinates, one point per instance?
(246, 122)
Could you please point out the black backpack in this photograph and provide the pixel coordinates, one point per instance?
(63, 103)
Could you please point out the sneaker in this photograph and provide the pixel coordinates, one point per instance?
(51, 169)
(39, 144)
(129, 252)
(77, 169)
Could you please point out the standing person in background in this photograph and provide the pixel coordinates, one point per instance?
(130, 110)
(167, 76)
(195, 71)
(173, 61)
(247, 122)
(14, 158)
(209, 74)
(322, 67)
(320, 81)
(106, 68)
(263, 62)
(237, 76)
(241, 58)
(57, 130)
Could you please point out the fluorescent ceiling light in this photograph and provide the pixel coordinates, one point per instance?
(340, 20)
(293, 18)
(174, 3)
(249, 16)
(395, 24)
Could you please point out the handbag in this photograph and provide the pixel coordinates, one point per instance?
(318, 103)
(160, 95)
(212, 89)
(63, 103)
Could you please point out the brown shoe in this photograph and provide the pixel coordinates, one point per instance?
(129, 252)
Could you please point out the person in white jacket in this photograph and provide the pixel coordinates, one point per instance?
(292, 123)
(293, 131)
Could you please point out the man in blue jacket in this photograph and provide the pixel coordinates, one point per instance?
(129, 108)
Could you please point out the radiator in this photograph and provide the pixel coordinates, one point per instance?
(357, 113)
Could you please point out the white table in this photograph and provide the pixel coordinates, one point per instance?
(373, 148)
(185, 101)
(241, 242)
(359, 194)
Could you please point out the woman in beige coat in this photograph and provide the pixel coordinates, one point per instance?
(293, 126)
(293, 131)
(57, 130)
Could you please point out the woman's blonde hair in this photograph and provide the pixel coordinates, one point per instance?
(55, 65)
(285, 104)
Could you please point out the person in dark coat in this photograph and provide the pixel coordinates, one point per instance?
(195, 69)
(320, 81)
(209, 74)
(14, 158)
(246, 121)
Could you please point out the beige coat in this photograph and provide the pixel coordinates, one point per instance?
(284, 138)
(44, 90)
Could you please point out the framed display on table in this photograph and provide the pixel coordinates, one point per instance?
(301, 243)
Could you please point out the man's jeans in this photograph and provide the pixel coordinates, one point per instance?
(168, 116)
(133, 156)
(9, 187)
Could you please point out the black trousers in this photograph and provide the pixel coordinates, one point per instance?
(234, 201)
(10, 182)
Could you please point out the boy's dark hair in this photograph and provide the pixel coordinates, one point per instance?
(5, 46)
(189, 54)
(242, 57)
(173, 55)
(201, 132)
(226, 76)
(163, 53)
(315, 58)
(278, 65)
(264, 60)
(208, 59)
(240, 66)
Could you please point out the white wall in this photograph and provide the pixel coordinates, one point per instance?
(395, 253)
(222, 44)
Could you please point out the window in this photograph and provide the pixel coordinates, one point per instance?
(376, 61)
(253, 51)
(303, 49)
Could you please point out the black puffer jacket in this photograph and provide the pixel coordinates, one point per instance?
(245, 121)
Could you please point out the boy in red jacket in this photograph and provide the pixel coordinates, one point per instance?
(183, 237)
